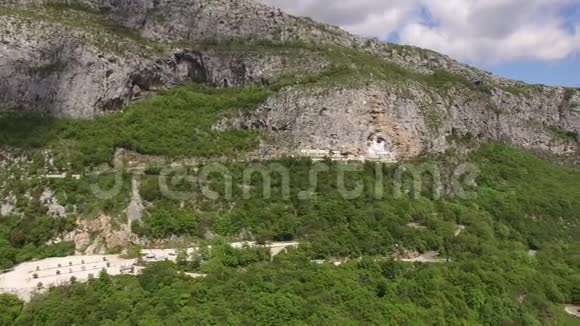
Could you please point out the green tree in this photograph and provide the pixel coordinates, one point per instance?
(10, 307)
(576, 295)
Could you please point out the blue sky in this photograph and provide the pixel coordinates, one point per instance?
(563, 72)
(556, 73)
(536, 41)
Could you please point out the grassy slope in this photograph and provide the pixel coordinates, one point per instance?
(93, 28)
(176, 123)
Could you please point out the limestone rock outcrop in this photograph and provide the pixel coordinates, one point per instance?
(99, 236)
(52, 63)
(381, 121)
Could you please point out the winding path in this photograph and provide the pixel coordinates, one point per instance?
(573, 310)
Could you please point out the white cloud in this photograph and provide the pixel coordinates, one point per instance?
(485, 31)
(366, 17)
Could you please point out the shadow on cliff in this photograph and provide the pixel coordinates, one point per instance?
(29, 121)
(27, 131)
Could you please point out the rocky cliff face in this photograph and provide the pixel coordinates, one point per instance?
(193, 20)
(380, 121)
(80, 64)
(85, 58)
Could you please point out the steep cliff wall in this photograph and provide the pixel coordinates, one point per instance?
(75, 63)
(391, 122)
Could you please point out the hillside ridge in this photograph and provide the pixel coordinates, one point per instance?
(364, 99)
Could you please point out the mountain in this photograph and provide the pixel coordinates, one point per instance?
(201, 129)
(335, 92)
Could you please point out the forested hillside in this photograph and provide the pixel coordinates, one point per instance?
(521, 205)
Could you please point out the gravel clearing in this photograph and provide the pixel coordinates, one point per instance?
(31, 278)
(573, 310)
